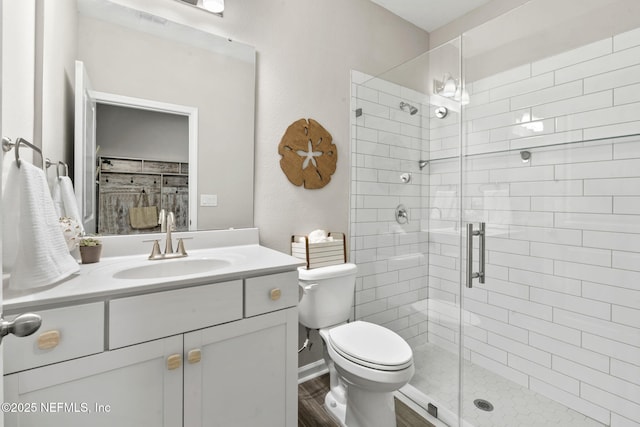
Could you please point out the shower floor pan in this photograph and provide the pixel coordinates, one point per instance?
(513, 405)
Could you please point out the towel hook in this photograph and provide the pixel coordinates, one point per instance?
(65, 166)
(7, 145)
(49, 163)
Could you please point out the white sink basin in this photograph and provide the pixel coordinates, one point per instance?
(171, 268)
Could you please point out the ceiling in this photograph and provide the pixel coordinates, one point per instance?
(430, 14)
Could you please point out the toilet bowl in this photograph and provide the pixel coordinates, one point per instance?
(367, 362)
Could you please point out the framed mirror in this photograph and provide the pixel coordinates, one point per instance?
(133, 55)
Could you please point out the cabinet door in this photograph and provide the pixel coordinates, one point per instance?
(130, 387)
(246, 375)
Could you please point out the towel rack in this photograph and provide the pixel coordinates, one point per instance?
(49, 163)
(7, 145)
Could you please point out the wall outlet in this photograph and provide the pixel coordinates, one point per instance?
(208, 200)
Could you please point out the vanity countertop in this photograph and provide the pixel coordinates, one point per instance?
(95, 282)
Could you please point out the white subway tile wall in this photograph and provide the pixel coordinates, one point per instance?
(560, 310)
(392, 258)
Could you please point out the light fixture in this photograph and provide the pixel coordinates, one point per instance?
(461, 96)
(213, 6)
(449, 87)
(445, 87)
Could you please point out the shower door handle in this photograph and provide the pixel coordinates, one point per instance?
(481, 233)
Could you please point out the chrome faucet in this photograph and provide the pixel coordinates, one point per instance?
(169, 221)
(162, 220)
(171, 226)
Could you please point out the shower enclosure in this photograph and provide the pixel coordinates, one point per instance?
(495, 217)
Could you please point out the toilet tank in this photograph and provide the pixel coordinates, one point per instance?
(326, 295)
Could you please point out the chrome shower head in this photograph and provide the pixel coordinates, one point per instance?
(404, 106)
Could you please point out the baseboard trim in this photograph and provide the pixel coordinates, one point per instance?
(311, 371)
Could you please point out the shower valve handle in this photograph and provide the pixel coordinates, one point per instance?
(402, 215)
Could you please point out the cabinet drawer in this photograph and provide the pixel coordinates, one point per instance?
(147, 317)
(270, 293)
(65, 333)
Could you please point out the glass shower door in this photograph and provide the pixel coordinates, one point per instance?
(438, 357)
(405, 227)
(550, 165)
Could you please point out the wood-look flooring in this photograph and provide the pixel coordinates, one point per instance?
(311, 412)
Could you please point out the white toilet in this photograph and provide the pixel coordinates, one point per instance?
(367, 362)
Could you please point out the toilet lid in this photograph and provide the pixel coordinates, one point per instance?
(371, 345)
(329, 272)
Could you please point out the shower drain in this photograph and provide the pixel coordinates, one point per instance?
(483, 405)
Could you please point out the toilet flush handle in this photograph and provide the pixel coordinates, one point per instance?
(309, 287)
(304, 289)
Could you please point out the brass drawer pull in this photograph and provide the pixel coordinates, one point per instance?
(48, 340)
(174, 362)
(194, 356)
(275, 294)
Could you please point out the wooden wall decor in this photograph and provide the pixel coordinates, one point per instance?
(121, 181)
(309, 157)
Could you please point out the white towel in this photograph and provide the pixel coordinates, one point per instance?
(34, 249)
(69, 201)
(64, 200)
(319, 236)
(56, 195)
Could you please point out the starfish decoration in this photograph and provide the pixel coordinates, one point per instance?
(309, 156)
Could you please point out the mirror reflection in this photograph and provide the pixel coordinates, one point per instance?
(136, 191)
(168, 123)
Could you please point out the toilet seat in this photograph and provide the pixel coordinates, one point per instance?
(371, 345)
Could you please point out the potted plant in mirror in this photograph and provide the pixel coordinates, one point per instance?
(90, 248)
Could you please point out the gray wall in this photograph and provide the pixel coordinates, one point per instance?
(520, 33)
(142, 134)
(55, 97)
(305, 53)
(17, 79)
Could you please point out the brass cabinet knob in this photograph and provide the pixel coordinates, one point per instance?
(174, 361)
(48, 340)
(194, 356)
(275, 294)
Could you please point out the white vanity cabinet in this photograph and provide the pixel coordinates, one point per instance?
(221, 354)
(65, 333)
(126, 387)
(243, 374)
